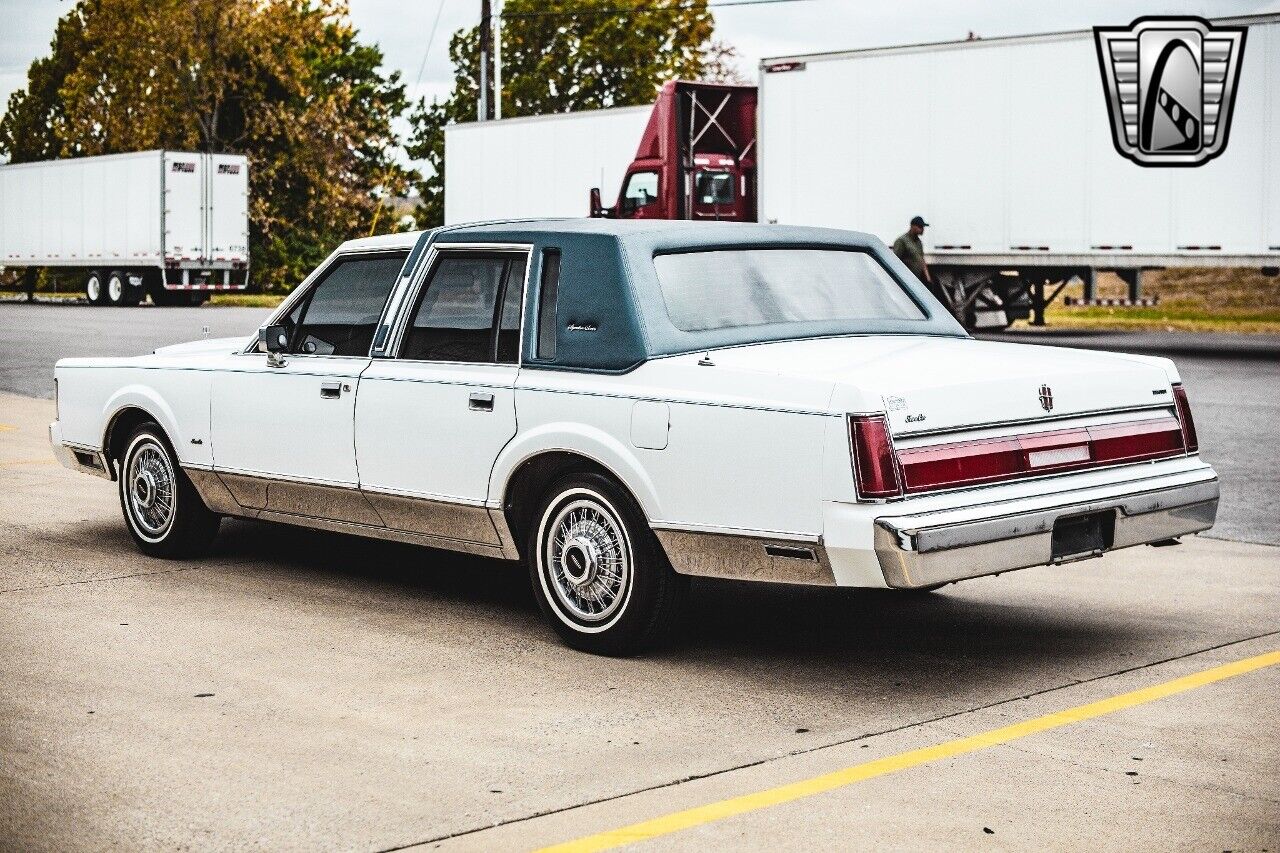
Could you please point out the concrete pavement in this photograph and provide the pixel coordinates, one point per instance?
(299, 690)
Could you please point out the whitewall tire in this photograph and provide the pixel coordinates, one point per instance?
(162, 510)
(597, 570)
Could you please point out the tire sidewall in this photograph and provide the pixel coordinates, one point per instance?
(117, 289)
(92, 283)
(549, 511)
(630, 630)
(141, 437)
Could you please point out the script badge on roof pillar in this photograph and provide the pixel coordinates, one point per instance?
(1170, 85)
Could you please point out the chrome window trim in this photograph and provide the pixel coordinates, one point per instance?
(391, 350)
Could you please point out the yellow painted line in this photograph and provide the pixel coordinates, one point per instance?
(700, 815)
(13, 463)
(8, 428)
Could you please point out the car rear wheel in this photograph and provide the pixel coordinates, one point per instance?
(93, 288)
(597, 570)
(162, 510)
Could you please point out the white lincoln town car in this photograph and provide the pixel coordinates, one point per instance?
(622, 405)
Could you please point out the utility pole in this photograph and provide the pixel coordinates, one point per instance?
(486, 33)
(497, 63)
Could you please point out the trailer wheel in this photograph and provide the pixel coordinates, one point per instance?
(117, 289)
(93, 289)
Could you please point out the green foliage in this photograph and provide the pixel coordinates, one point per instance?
(564, 56)
(285, 82)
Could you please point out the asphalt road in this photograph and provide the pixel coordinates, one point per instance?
(1231, 379)
(307, 691)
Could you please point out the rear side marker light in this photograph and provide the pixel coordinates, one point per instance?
(875, 465)
(1189, 440)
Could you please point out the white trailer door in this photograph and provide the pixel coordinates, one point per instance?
(184, 217)
(228, 198)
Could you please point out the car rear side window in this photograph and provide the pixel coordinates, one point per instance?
(338, 316)
(547, 303)
(469, 310)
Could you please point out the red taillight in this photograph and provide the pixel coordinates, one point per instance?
(971, 463)
(1189, 440)
(874, 466)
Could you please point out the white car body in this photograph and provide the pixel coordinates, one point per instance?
(739, 456)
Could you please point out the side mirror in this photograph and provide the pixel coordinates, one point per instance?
(274, 338)
(597, 208)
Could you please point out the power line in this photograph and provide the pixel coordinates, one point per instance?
(641, 9)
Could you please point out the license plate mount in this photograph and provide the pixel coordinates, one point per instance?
(1079, 537)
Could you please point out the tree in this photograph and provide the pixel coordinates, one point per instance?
(285, 82)
(564, 56)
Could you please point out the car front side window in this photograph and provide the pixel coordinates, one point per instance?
(339, 314)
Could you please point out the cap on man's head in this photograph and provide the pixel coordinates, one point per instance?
(919, 220)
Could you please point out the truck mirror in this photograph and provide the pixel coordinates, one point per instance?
(597, 208)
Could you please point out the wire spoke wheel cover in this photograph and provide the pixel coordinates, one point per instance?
(585, 560)
(150, 488)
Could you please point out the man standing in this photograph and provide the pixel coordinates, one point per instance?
(910, 251)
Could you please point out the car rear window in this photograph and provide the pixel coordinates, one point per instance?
(735, 288)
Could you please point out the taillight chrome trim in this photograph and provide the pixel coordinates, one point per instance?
(1190, 441)
(857, 463)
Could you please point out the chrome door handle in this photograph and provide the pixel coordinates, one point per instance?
(479, 402)
(331, 390)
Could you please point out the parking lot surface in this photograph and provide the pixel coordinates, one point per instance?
(298, 690)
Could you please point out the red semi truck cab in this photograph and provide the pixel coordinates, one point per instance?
(696, 160)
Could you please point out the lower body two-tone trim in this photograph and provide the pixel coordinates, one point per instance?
(746, 555)
(471, 528)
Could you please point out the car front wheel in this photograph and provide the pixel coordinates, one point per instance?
(597, 570)
(162, 510)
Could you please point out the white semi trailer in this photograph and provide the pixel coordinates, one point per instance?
(1003, 144)
(538, 166)
(168, 224)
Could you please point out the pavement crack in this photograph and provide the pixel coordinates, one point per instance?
(99, 580)
(462, 833)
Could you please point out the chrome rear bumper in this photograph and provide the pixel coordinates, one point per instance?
(925, 550)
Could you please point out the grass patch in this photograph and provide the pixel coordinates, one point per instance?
(1192, 299)
(1166, 317)
(246, 300)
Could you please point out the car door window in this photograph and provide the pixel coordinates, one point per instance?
(469, 310)
(338, 316)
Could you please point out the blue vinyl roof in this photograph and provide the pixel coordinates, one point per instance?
(611, 315)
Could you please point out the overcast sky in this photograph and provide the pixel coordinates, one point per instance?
(761, 29)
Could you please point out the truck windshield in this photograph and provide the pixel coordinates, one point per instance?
(726, 289)
(714, 188)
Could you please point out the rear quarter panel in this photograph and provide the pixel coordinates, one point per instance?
(92, 392)
(743, 452)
